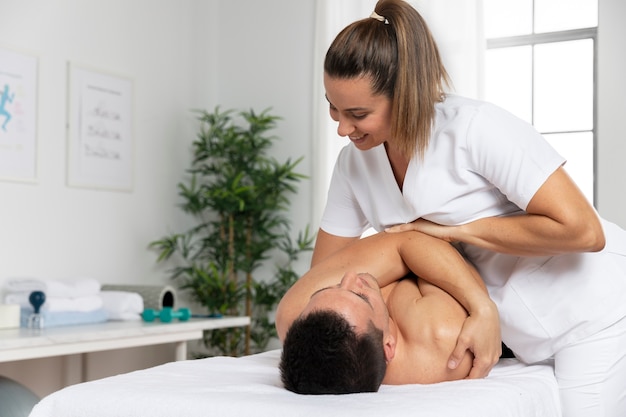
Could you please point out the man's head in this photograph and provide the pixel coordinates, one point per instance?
(323, 354)
(341, 342)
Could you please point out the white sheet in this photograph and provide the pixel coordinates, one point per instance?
(250, 386)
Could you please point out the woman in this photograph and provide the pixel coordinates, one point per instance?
(475, 175)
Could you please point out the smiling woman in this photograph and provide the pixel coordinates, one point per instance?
(361, 115)
(469, 172)
(461, 50)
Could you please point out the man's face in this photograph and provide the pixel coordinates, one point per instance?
(357, 297)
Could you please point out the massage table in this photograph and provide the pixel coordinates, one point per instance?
(251, 386)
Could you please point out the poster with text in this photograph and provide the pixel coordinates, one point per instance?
(100, 130)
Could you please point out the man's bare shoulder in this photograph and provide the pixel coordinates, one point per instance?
(428, 322)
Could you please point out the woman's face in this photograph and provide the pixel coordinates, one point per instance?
(363, 117)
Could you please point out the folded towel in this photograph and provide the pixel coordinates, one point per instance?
(84, 304)
(73, 288)
(122, 305)
(25, 284)
(65, 318)
(70, 288)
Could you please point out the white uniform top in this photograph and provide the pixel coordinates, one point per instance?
(483, 161)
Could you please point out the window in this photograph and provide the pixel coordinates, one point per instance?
(540, 65)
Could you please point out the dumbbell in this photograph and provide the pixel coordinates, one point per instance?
(166, 315)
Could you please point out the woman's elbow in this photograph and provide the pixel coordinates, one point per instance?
(598, 241)
(591, 236)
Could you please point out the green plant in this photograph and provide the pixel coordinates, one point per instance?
(240, 197)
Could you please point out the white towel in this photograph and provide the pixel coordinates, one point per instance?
(73, 288)
(122, 305)
(55, 304)
(65, 318)
(67, 288)
(25, 284)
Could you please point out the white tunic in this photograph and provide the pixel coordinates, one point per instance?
(483, 161)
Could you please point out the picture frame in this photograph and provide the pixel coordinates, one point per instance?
(100, 129)
(18, 116)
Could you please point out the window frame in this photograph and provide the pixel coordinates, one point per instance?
(534, 39)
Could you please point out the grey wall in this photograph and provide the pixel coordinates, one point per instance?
(611, 144)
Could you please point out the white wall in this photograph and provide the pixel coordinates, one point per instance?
(265, 60)
(51, 230)
(181, 55)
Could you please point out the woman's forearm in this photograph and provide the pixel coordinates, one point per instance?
(527, 235)
(557, 220)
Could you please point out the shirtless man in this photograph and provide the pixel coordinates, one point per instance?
(413, 326)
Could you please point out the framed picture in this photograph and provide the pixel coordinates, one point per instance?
(18, 118)
(100, 130)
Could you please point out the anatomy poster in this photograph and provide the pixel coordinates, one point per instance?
(18, 119)
(100, 130)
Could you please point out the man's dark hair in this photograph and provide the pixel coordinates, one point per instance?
(322, 354)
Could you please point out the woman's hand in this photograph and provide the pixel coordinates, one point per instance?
(481, 336)
(427, 227)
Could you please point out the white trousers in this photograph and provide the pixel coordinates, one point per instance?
(592, 374)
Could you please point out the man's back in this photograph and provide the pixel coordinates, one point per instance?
(429, 321)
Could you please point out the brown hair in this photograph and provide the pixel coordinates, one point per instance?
(402, 60)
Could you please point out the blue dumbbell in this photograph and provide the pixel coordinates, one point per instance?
(166, 315)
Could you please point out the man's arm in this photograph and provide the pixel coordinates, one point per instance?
(377, 255)
(389, 257)
(429, 322)
(327, 244)
(444, 267)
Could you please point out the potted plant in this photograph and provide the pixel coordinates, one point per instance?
(240, 197)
